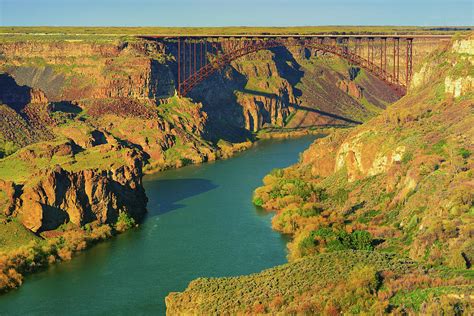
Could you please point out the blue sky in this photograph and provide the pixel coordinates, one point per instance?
(235, 12)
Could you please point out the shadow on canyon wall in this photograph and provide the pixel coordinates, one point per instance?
(304, 108)
(323, 113)
(13, 94)
(288, 67)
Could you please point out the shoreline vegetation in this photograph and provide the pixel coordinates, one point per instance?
(59, 246)
(282, 133)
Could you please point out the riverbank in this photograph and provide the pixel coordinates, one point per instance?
(283, 133)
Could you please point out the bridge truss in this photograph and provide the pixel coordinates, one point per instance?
(388, 57)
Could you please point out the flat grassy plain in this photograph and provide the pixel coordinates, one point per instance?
(234, 30)
(12, 33)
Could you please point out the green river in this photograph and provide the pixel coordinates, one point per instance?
(200, 223)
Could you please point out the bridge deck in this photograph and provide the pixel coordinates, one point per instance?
(299, 36)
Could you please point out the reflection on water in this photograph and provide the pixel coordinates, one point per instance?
(201, 223)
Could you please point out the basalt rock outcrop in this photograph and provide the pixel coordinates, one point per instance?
(285, 86)
(68, 71)
(351, 89)
(55, 197)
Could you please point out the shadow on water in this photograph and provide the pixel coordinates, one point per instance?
(166, 197)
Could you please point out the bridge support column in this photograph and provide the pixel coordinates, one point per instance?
(396, 60)
(409, 61)
(178, 60)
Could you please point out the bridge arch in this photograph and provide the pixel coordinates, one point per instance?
(378, 54)
(342, 51)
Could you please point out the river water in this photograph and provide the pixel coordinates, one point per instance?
(201, 223)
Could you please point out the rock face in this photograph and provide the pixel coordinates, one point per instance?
(38, 96)
(364, 153)
(261, 110)
(68, 71)
(264, 88)
(14, 128)
(11, 193)
(60, 196)
(459, 86)
(351, 88)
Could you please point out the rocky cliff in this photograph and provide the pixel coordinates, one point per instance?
(80, 123)
(68, 71)
(291, 87)
(58, 196)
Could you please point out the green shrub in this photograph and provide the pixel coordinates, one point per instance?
(361, 240)
(277, 172)
(465, 153)
(295, 187)
(309, 212)
(325, 233)
(7, 148)
(407, 157)
(124, 222)
(341, 196)
(258, 201)
(367, 216)
(439, 147)
(335, 245)
(321, 194)
(307, 244)
(341, 240)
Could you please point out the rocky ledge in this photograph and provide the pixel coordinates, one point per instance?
(53, 197)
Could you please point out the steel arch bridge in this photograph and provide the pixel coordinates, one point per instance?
(198, 57)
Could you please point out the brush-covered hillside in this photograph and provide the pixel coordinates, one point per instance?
(399, 187)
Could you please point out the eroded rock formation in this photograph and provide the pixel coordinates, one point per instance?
(55, 197)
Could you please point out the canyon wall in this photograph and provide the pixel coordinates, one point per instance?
(58, 196)
(68, 71)
(405, 176)
(119, 95)
(267, 88)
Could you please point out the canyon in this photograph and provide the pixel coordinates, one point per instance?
(96, 108)
(83, 120)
